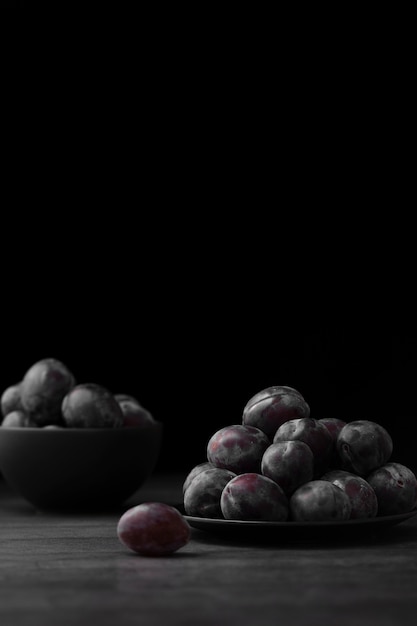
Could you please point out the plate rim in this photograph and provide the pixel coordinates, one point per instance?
(351, 523)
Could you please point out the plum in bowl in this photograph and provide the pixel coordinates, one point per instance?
(78, 469)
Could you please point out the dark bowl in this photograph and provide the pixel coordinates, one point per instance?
(78, 468)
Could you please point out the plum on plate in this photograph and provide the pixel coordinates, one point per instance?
(253, 496)
(363, 446)
(202, 496)
(194, 472)
(319, 501)
(313, 433)
(238, 448)
(395, 486)
(273, 406)
(288, 463)
(361, 494)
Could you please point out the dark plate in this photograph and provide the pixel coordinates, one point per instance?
(296, 529)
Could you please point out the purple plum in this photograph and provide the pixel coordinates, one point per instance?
(153, 529)
(238, 448)
(253, 496)
(202, 496)
(361, 495)
(363, 446)
(395, 486)
(313, 433)
(273, 406)
(288, 463)
(194, 472)
(319, 501)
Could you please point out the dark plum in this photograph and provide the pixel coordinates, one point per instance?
(194, 472)
(11, 399)
(202, 496)
(363, 446)
(134, 414)
(334, 425)
(90, 405)
(313, 433)
(153, 529)
(273, 406)
(253, 496)
(17, 419)
(43, 388)
(319, 501)
(362, 496)
(395, 486)
(288, 463)
(238, 448)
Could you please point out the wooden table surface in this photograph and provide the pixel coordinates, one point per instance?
(65, 570)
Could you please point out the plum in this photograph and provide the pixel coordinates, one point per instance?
(17, 419)
(362, 496)
(252, 496)
(194, 472)
(134, 414)
(90, 405)
(43, 388)
(202, 496)
(334, 425)
(11, 399)
(238, 448)
(395, 486)
(273, 406)
(153, 529)
(313, 433)
(288, 463)
(319, 501)
(363, 446)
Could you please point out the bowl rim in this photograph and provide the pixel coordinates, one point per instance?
(66, 429)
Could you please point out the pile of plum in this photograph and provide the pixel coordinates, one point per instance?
(280, 464)
(48, 396)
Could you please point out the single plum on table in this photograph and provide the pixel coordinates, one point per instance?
(288, 463)
(153, 529)
(90, 405)
(11, 399)
(238, 448)
(202, 496)
(362, 496)
(17, 419)
(319, 501)
(273, 406)
(313, 433)
(252, 496)
(194, 472)
(395, 486)
(134, 414)
(43, 388)
(363, 446)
